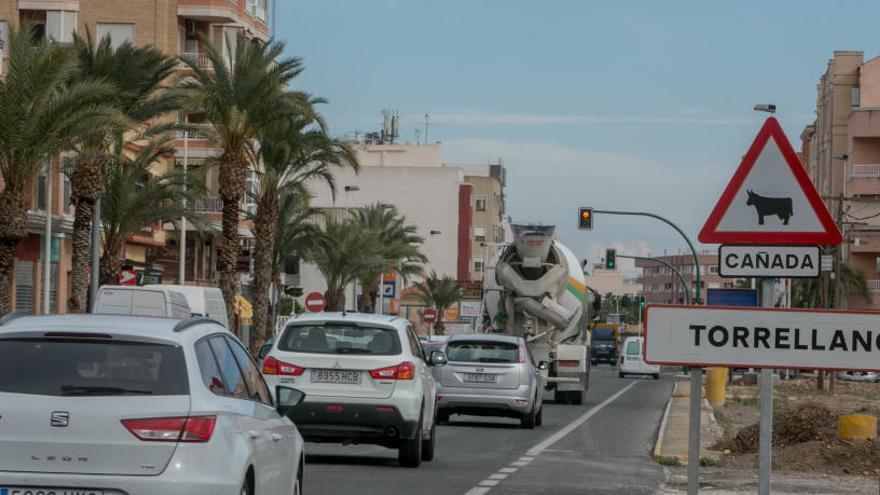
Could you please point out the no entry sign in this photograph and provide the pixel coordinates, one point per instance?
(429, 315)
(762, 338)
(315, 302)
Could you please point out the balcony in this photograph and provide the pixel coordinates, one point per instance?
(213, 11)
(864, 179)
(207, 205)
(198, 59)
(199, 132)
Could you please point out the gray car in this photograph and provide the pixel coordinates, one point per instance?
(490, 375)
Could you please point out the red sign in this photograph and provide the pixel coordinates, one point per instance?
(429, 315)
(127, 277)
(315, 302)
(770, 199)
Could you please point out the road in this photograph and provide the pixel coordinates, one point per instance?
(600, 447)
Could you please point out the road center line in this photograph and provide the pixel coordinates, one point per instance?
(559, 435)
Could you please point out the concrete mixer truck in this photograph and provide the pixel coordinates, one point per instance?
(534, 288)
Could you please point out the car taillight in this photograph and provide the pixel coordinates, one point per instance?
(403, 371)
(522, 354)
(195, 429)
(272, 366)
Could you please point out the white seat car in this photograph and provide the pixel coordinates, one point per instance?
(366, 379)
(111, 405)
(632, 360)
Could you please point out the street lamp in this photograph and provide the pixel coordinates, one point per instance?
(765, 107)
(349, 189)
(435, 232)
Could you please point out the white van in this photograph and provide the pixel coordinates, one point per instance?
(203, 301)
(632, 361)
(141, 301)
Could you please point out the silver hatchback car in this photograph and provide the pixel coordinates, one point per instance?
(491, 375)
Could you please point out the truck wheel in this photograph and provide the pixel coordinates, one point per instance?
(620, 374)
(529, 420)
(656, 376)
(410, 452)
(442, 417)
(429, 444)
(577, 398)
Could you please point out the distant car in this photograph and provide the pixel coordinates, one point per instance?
(491, 375)
(264, 351)
(367, 378)
(859, 376)
(100, 405)
(632, 361)
(132, 300)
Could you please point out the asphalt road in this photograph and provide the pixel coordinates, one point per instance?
(602, 446)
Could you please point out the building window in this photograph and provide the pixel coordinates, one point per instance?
(480, 234)
(713, 269)
(479, 264)
(480, 203)
(854, 97)
(119, 33)
(252, 190)
(3, 30)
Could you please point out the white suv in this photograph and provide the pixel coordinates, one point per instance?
(101, 405)
(366, 378)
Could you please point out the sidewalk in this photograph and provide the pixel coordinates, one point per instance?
(672, 441)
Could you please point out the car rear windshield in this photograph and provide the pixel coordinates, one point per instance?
(340, 339)
(93, 367)
(482, 352)
(633, 348)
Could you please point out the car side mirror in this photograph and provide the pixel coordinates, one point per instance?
(438, 359)
(287, 399)
(543, 366)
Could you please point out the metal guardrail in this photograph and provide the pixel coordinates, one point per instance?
(211, 205)
(197, 59)
(873, 284)
(864, 171)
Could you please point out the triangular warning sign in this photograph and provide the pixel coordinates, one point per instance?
(770, 199)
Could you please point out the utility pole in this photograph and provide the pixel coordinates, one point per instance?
(47, 243)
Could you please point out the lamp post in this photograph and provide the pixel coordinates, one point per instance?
(350, 189)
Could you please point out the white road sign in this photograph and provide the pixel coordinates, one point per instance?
(769, 261)
(762, 338)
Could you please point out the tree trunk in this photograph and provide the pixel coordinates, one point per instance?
(81, 258)
(13, 228)
(111, 265)
(265, 225)
(233, 173)
(439, 329)
(335, 298)
(87, 186)
(369, 298)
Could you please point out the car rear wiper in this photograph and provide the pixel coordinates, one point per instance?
(352, 350)
(97, 390)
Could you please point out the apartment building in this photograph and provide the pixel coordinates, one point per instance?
(489, 214)
(841, 151)
(661, 285)
(177, 27)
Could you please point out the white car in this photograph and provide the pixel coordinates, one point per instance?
(859, 376)
(101, 405)
(366, 378)
(632, 360)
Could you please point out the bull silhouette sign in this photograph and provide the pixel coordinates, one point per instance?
(767, 207)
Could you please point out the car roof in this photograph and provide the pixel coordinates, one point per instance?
(490, 337)
(133, 326)
(351, 316)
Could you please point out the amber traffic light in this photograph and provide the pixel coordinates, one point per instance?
(585, 220)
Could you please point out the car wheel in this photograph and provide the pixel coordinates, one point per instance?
(410, 452)
(539, 419)
(620, 374)
(298, 484)
(428, 445)
(656, 376)
(442, 417)
(246, 488)
(528, 421)
(577, 398)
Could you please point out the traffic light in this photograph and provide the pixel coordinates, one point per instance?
(611, 259)
(585, 219)
(642, 302)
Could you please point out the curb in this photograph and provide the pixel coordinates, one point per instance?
(659, 443)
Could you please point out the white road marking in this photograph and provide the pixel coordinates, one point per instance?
(497, 476)
(520, 463)
(527, 459)
(559, 435)
(488, 482)
(508, 470)
(478, 490)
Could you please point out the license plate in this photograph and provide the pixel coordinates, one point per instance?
(480, 378)
(24, 490)
(335, 376)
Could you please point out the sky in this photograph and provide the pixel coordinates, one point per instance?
(619, 105)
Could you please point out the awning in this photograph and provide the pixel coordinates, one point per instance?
(244, 309)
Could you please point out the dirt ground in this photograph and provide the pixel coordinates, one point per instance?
(805, 428)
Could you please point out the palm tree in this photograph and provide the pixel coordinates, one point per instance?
(346, 250)
(441, 293)
(296, 153)
(296, 234)
(139, 74)
(239, 98)
(399, 244)
(43, 111)
(135, 198)
(807, 293)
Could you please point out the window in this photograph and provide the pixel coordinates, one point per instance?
(854, 97)
(479, 264)
(340, 339)
(3, 30)
(414, 344)
(251, 191)
(119, 33)
(480, 234)
(480, 203)
(81, 367)
(210, 371)
(474, 351)
(258, 389)
(60, 25)
(633, 348)
(233, 379)
(713, 269)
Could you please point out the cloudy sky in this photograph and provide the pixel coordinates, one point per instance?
(631, 105)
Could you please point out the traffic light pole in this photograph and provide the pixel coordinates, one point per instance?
(675, 270)
(696, 382)
(677, 229)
